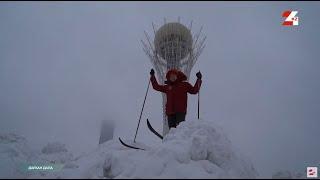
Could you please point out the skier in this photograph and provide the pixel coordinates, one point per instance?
(176, 90)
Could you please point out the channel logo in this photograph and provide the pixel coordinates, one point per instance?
(291, 18)
(312, 172)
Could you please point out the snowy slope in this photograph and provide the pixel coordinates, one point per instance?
(196, 149)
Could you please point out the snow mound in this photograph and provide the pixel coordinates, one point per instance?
(54, 147)
(11, 138)
(195, 149)
(16, 156)
(14, 151)
(56, 153)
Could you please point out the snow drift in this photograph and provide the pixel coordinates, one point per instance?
(14, 151)
(195, 149)
(16, 156)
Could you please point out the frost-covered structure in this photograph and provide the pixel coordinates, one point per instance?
(106, 131)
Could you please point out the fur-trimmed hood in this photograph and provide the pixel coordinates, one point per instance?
(180, 75)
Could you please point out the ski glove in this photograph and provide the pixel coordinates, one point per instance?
(199, 75)
(152, 72)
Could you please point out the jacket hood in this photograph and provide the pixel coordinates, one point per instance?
(180, 75)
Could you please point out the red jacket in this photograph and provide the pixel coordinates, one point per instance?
(176, 92)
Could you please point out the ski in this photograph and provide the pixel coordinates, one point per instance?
(129, 145)
(152, 130)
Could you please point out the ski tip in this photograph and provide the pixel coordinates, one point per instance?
(148, 123)
(129, 146)
(121, 141)
(152, 130)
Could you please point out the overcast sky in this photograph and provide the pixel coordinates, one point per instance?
(66, 66)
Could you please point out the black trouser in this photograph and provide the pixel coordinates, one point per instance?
(175, 119)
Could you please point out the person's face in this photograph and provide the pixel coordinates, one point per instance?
(173, 77)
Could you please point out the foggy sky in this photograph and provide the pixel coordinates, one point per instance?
(66, 66)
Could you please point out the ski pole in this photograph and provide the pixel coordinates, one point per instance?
(145, 97)
(198, 101)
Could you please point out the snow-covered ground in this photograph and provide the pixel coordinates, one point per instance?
(195, 149)
(14, 151)
(16, 157)
(286, 174)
